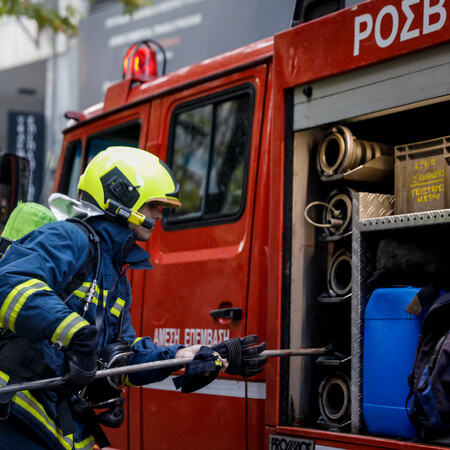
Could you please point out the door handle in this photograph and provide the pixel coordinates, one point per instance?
(226, 313)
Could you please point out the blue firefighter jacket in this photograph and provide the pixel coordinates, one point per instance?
(36, 268)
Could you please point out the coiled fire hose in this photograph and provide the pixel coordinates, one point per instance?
(49, 382)
(337, 213)
(339, 277)
(340, 151)
(334, 398)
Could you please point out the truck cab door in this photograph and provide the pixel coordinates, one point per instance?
(199, 289)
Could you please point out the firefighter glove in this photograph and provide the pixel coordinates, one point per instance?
(244, 358)
(202, 370)
(81, 359)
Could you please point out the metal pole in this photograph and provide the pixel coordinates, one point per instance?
(50, 383)
(296, 352)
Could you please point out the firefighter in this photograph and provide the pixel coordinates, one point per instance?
(121, 192)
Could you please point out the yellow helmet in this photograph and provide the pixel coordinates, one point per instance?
(130, 177)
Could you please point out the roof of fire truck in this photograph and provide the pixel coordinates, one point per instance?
(135, 88)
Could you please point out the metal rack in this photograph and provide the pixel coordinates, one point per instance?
(372, 212)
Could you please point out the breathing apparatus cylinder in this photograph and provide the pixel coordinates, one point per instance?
(105, 393)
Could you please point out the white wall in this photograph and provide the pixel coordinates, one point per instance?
(47, 64)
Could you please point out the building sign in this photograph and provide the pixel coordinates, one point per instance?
(26, 139)
(189, 30)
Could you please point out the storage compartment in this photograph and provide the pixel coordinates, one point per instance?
(311, 315)
(390, 341)
(422, 176)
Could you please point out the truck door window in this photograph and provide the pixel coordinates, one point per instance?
(124, 135)
(208, 154)
(71, 171)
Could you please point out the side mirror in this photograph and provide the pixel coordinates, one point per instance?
(14, 182)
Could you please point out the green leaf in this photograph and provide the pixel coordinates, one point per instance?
(50, 18)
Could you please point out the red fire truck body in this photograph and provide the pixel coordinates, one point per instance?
(242, 132)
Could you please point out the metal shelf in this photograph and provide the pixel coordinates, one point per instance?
(373, 212)
(441, 216)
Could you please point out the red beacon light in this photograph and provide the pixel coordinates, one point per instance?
(140, 62)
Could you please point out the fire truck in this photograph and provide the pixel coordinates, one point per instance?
(297, 156)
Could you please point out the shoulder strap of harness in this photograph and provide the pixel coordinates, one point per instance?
(94, 259)
(90, 264)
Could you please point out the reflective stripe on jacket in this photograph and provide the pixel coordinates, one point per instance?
(41, 264)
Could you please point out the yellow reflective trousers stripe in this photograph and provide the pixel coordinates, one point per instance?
(87, 444)
(16, 299)
(67, 328)
(28, 402)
